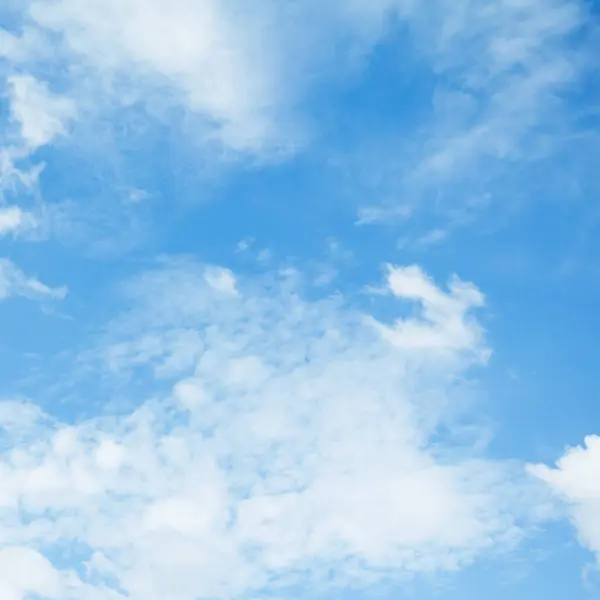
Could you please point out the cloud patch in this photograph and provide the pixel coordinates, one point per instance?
(296, 450)
(40, 114)
(576, 479)
(13, 282)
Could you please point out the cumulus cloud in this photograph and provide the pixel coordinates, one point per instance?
(297, 448)
(13, 282)
(24, 572)
(576, 478)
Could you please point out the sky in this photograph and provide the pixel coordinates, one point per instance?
(299, 299)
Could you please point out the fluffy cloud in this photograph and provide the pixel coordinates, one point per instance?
(222, 280)
(576, 478)
(205, 50)
(15, 221)
(296, 448)
(274, 441)
(24, 572)
(445, 325)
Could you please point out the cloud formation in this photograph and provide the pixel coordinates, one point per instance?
(248, 70)
(445, 324)
(576, 479)
(11, 219)
(41, 115)
(507, 64)
(274, 441)
(296, 448)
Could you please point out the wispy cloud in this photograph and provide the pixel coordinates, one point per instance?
(507, 64)
(243, 74)
(503, 74)
(13, 282)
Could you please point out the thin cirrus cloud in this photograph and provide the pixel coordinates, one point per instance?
(508, 63)
(298, 441)
(13, 282)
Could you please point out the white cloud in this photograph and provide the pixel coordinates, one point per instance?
(505, 72)
(170, 352)
(11, 218)
(368, 215)
(219, 59)
(11, 176)
(243, 68)
(296, 450)
(17, 415)
(511, 60)
(247, 69)
(42, 115)
(24, 572)
(576, 478)
(222, 280)
(13, 282)
(445, 325)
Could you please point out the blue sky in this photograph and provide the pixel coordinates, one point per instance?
(299, 299)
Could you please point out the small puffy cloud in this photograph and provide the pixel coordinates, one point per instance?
(13, 220)
(576, 479)
(296, 449)
(242, 69)
(222, 280)
(41, 115)
(444, 324)
(13, 282)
